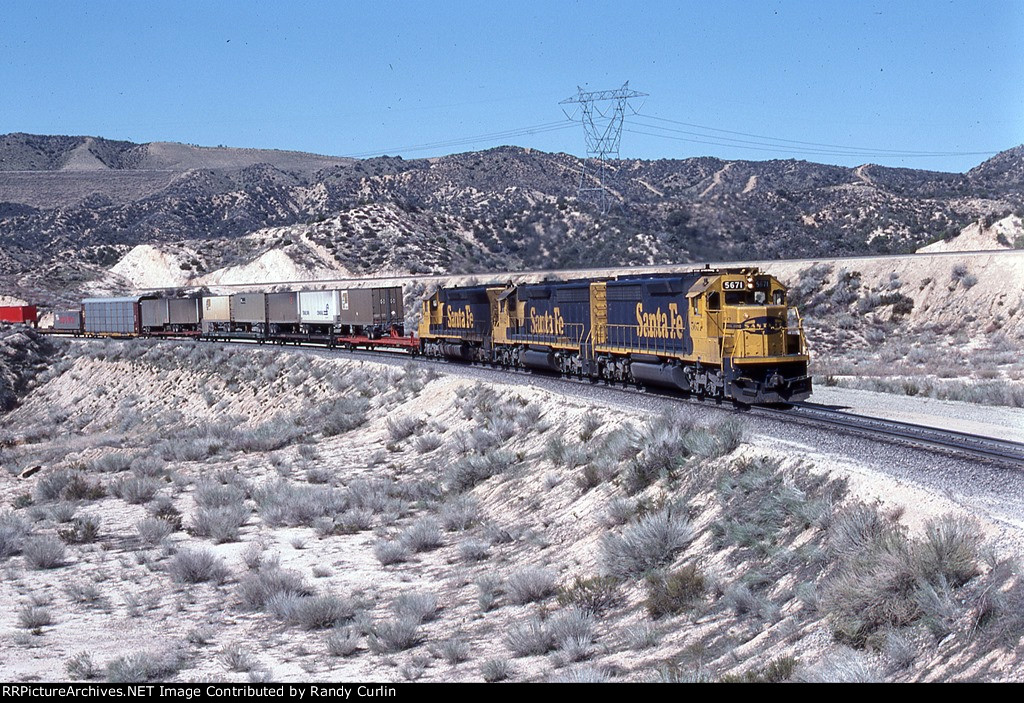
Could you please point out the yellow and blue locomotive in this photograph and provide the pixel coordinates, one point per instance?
(720, 333)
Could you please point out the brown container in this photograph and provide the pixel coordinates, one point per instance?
(283, 308)
(249, 308)
(154, 313)
(183, 311)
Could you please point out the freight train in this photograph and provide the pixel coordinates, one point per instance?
(715, 333)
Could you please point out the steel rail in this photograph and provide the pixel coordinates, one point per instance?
(991, 450)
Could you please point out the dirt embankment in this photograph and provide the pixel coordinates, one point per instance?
(218, 514)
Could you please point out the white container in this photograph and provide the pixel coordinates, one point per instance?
(217, 308)
(319, 307)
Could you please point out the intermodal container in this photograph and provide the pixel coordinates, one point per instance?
(283, 308)
(320, 307)
(249, 308)
(18, 313)
(68, 320)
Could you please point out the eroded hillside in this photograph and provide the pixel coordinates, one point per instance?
(232, 514)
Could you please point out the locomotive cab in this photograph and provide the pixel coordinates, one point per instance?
(761, 342)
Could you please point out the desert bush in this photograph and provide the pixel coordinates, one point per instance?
(719, 441)
(50, 485)
(428, 442)
(885, 581)
(142, 667)
(950, 550)
(235, 657)
(596, 594)
(81, 667)
(423, 535)
(530, 637)
(163, 508)
(149, 467)
(135, 490)
(197, 566)
(153, 530)
(619, 511)
(391, 552)
(468, 471)
(34, 617)
(79, 487)
(572, 627)
(843, 666)
(13, 530)
(658, 450)
(453, 650)
(403, 427)
(390, 636)
(474, 550)
(113, 462)
(761, 502)
(419, 606)
(489, 587)
(211, 494)
(221, 524)
(530, 585)
(743, 601)
(460, 513)
(343, 415)
(284, 503)
(641, 636)
(580, 675)
(674, 592)
(312, 612)
(651, 541)
(82, 530)
(342, 642)
(258, 588)
(494, 670)
(44, 552)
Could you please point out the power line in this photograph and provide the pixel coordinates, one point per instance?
(853, 150)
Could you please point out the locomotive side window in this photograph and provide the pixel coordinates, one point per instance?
(779, 297)
(714, 301)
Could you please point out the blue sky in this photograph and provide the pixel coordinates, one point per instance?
(872, 80)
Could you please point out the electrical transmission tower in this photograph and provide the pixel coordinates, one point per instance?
(602, 113)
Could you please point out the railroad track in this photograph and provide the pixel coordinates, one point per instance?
(989, 450)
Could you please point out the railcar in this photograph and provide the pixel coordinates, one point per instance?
(717, 333)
